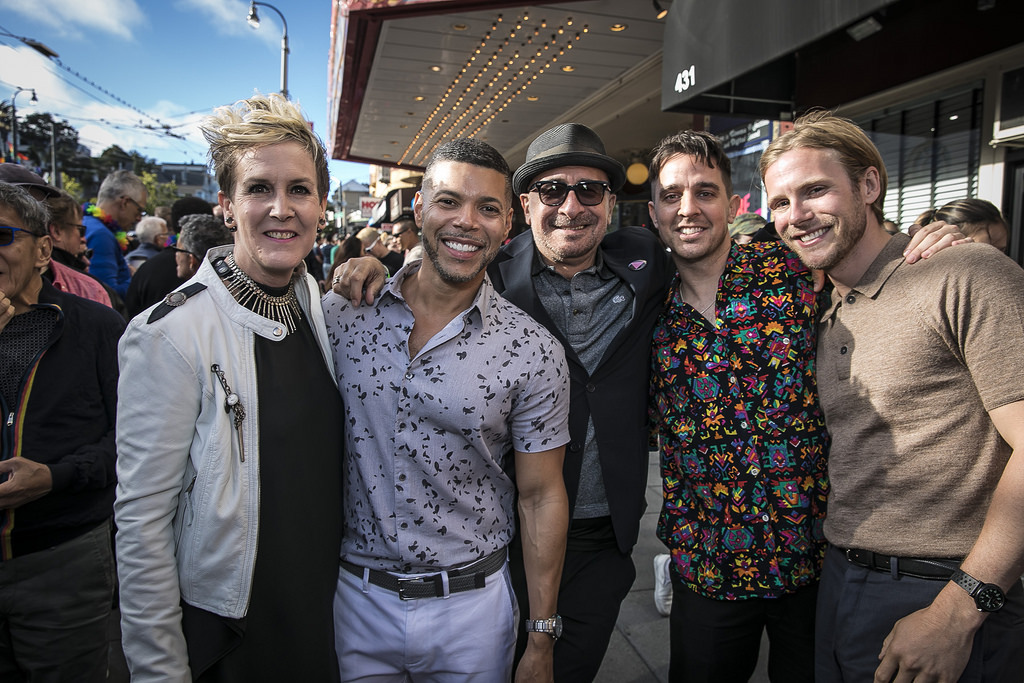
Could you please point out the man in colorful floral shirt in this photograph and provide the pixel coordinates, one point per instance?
(121, 202)
(744, 446)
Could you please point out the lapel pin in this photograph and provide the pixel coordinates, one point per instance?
(637, 265)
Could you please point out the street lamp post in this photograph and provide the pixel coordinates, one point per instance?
(254, 21)
(14, 117)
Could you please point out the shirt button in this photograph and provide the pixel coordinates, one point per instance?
(785, 340)
(401, 477)
(743, 424)
(850, 298)
(591, 388)
(755, 471)
(764, 518)
(843, 350)
(408, 375)
(278, 331)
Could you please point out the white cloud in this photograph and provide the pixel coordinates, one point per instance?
(100, 122)
(68, 17)
(228, 17)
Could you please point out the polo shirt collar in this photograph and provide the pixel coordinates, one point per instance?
(884, 265)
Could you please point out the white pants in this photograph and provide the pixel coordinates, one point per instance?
(468, 636)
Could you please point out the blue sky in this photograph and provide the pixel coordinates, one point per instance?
(174, 60)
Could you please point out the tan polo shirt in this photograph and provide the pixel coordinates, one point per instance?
(909, 361)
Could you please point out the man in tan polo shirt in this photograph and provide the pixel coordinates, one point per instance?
(921, 377)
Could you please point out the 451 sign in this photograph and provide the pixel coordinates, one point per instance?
(686, 79)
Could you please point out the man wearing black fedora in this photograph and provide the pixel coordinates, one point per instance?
(599, 293)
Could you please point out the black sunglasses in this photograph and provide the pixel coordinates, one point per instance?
(554, 192)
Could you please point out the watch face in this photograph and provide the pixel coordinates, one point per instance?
(990, 598)
(558, 626)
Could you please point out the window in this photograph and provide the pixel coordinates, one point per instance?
(931, 151)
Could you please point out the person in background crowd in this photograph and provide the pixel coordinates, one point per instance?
(199, 234)
(327, 249)
(157, 277)
(163, 212)
(373, 241)
(58, 381)
(921, 378)
(351, 248)
(746, 225)
(121, 204)
(152, 233)
(405, 232)
(459, 401)
(66, 270)
(228, 504)
(976, 218)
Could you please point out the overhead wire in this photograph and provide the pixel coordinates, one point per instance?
(54, 60)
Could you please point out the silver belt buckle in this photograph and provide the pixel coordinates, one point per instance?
(401, 587)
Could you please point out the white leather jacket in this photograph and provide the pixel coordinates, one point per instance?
(187, 508)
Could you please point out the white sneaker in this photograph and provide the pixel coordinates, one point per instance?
(662, 584)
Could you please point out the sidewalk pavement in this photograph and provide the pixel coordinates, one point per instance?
(638, 652)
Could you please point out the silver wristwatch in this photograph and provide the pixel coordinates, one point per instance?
(552, 626)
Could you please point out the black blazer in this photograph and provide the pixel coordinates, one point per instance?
(616, 394)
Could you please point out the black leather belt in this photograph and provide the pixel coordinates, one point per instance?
(460, 579)
(920, 568)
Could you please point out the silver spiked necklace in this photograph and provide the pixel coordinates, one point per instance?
(282, 309)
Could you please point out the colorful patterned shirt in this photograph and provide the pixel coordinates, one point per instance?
(743, 439)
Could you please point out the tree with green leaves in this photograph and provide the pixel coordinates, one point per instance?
(160, 194)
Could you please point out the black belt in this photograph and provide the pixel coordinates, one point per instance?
(919, 568)
(460, 579)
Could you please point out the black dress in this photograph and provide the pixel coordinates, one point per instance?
(288, 632)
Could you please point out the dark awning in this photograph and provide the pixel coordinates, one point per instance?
(712, 49)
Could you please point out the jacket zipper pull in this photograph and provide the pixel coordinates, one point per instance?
(10, 419)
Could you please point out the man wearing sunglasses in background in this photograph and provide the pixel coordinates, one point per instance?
(66, 271)
(58, 386)
(599, 293)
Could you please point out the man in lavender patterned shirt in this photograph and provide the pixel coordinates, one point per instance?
(456, 402)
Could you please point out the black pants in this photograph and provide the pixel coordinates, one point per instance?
(717, 641)
(54, 609)
(595, 580)
(858, 608)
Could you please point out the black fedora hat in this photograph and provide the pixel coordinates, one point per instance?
(570, 144)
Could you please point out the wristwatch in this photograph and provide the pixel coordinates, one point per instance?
(987, 596)
(552, 626)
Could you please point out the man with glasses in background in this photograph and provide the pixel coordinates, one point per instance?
(120, 205)
(404, 230)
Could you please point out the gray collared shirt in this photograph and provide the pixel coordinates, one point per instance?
(427, 480)
(589, 310)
